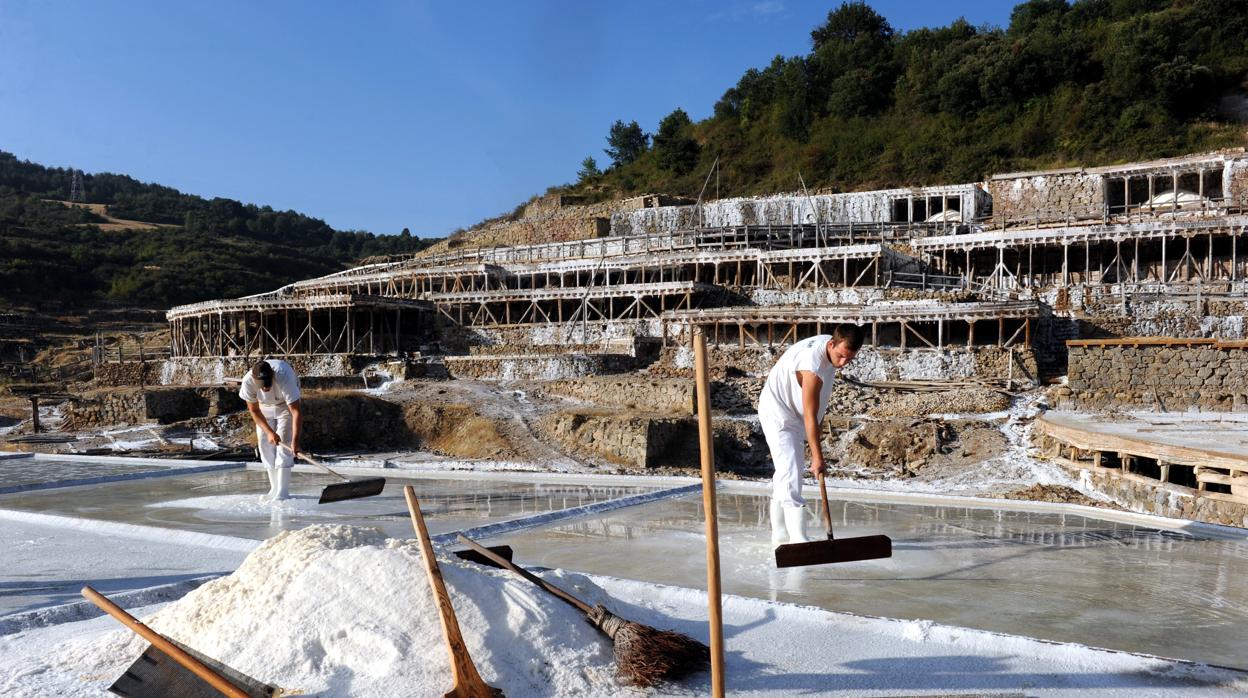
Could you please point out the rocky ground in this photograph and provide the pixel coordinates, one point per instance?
(967, 440)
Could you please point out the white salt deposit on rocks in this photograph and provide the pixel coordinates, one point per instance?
(339, 610)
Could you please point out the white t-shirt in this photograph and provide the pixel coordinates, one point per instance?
(782, 395)
(285, 388)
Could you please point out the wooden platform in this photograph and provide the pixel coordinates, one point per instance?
(1212, 449)
(1080, 234)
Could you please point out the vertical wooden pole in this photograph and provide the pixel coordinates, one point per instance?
(712, 521)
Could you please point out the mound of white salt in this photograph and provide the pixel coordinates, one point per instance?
(339, 610)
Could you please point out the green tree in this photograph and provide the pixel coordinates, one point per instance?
(589, 170)
(851, 68)
(627, 142)
(675, 150)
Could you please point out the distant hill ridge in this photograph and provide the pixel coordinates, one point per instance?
(54, 253)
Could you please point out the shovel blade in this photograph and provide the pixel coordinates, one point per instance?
(824, 552)
(352, 490)
(503, 551)
(155, 675)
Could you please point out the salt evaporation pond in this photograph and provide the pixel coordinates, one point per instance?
(47, 564)
(18, 471)
(1048, 575)
(226, 503)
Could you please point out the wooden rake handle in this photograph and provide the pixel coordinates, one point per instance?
(318, 464)
(508, 564)
(159, 641)
(467, 682)
(827, 511)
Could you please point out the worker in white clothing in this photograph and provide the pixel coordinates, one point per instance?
(790, 411)
(271, 391)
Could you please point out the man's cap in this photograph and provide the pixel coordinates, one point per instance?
(263, 372)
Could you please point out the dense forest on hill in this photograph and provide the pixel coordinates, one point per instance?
(1090, 82)
(206, 248)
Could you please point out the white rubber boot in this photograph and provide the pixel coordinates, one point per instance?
(795, 522)
(272, 493)
(778, 531)
(283, 484)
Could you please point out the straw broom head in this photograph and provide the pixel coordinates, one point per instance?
(645, 656)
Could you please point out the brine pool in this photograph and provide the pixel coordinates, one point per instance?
(1056, 572)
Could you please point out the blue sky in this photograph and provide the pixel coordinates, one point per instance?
(379, 115)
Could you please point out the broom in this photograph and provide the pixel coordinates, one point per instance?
(644, 656)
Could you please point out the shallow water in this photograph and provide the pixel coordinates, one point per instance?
(226, 503)
(1053, 576)
(29, 471)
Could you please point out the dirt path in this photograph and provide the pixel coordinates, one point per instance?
(113, 224)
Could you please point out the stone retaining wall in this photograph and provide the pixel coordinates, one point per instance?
(1053, 197)
(1203, 376)
(137, 373)
(540, 367)
(657, 395)
(639, 441)
(1162, 501)
(214, 371)
(107, 407)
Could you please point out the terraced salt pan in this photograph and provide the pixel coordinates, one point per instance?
(46, 564)
(25, 470)
(335, 611)
(1057, 576)
(226, 503)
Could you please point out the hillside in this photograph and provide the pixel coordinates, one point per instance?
(1096, 81)
(147, 245)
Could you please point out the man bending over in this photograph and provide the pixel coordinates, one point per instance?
(271, 391)
(790, 411)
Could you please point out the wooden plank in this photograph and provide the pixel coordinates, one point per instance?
(1140, 341)
(1082, 465)
(1141, 447)
(1203, 475)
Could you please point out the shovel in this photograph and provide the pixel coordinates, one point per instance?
(467, 683)
(824, 552)
(348, 488)
(168, 668)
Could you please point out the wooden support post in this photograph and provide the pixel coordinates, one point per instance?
(1165, 277)
(1065, 264)
(707, 444)
(34, 414)
(1234, 239)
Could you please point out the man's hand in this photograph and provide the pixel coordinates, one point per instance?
(817, 467)
(273, 437)
(294, 450)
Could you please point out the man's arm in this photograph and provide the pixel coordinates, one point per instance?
(258, 417)
(811, 385)
(296, 424)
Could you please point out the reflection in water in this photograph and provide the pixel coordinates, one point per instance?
(1055, 576)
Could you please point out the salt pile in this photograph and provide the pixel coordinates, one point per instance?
(339, 610)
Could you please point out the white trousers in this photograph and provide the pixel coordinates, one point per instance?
(279, 418)
(787, 443)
